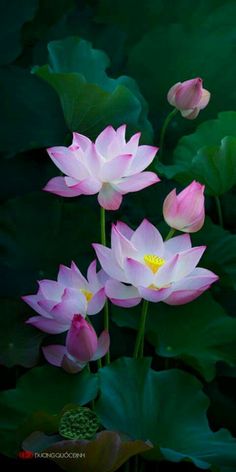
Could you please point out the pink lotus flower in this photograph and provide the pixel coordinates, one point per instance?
(57, 301)
(82, 346)
(185, 211)
(189, 97)
(156, 270)
(111, 167)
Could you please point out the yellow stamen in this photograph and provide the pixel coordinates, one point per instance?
(153, 262)
(153, 287)
(88, 295)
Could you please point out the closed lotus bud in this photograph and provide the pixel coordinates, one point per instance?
(189, 97)
(81, 340)
(82, 346)
(185, 211)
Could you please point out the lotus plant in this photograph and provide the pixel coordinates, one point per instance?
(189, 97)
(139, 265)
(57, 301)
(111, 167)
(154, 269)
(82, 346)
(185, 211)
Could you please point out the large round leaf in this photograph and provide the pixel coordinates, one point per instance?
(13, 15)
(220, 254)
(168, 408)
(214, 165)
(90, 99)
(30, 112)
(48, 389)
(148, 15)
(44, 389)
(209, 133)
(105, 453)
(199, 333)
(172, 51)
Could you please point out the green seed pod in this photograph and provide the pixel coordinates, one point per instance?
(79, 423)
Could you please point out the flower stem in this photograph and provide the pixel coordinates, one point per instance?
(141, 331)
(136, 463)
(92, 401)
(126, 469)
(170, 234)
(219, 210)
(103, 226)
(106, 308)
(163, 130)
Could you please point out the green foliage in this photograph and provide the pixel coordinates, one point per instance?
(210, 133)
(207, 155)
(168, 408)
(48, 13)
(37, 221)
(188, 44)
(200, 334)
(220, 254)
(38, 389)
(45, 389)
(30, 112)
(13, 15)
(20, 343)
(106, 453)
(90, 99)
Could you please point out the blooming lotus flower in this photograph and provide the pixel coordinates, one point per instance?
(82, 346)
(156, 270)
(110, 167)
(189, 97)
(57, 301)
(185, 211)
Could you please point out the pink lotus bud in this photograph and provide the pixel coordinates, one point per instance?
(189, 97)
(82, 346)
(185, 211)
(81, 340)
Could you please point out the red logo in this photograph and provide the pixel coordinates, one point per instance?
(25, 455)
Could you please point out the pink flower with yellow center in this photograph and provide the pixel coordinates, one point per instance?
(82, 346)
(142, 265)
(110, 167)
(56, 302)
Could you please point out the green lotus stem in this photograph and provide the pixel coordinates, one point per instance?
(219, 211)
(106, 308)
(92, 401)
(103, 226)
(163, 131)
(141, 331)
(136, 463)
(139, 343)
(170, 234)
